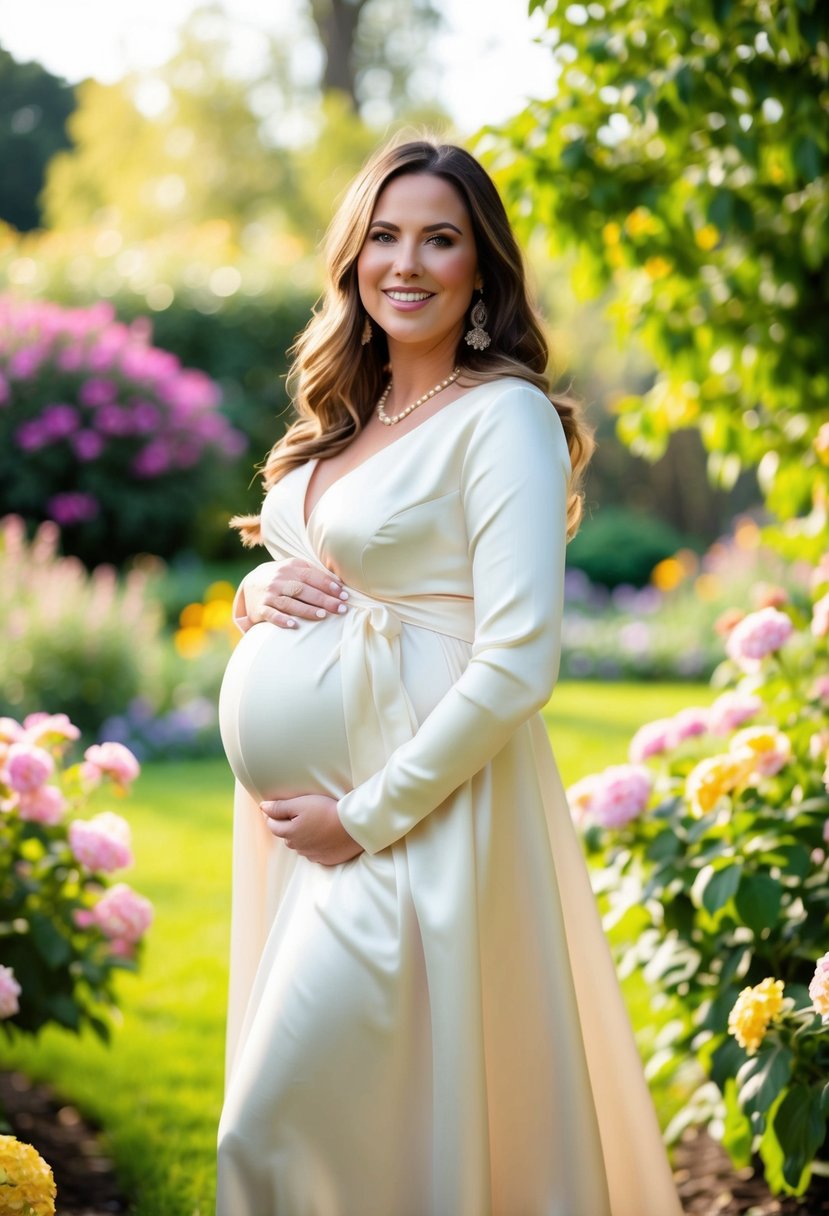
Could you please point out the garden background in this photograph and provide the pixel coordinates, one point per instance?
(666, 169)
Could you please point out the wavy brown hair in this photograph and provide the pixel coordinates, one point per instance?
(335, 382)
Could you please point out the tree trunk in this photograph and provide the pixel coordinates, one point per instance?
(336, 21)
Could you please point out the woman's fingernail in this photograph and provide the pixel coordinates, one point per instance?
(335, 586)
(343, 608)
(343, 595)
(291, 623)
(321, 613)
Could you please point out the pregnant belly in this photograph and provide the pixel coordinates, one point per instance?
(281, 712)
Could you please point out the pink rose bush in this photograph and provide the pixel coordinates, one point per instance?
(64, 931)
(120, 432)
(712, 847)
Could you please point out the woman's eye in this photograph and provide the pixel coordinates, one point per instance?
(443, 242)
(382, 238)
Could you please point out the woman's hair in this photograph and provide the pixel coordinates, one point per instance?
(335, 382)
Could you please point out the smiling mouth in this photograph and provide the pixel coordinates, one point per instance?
(407, 297)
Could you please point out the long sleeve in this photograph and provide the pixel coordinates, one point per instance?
(514, 492)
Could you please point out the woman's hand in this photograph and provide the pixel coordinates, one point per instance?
(310, 825)
(283, 592)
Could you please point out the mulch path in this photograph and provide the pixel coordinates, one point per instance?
(707, 1183)
(84, 1175)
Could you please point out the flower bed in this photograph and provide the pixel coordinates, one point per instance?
(65, 929)
(711, 847)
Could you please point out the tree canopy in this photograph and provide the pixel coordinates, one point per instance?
(34, 106)
(685, 162)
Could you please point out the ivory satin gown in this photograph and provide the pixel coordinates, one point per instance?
(435, 1027)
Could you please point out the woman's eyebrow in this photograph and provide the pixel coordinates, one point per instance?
(427, 228)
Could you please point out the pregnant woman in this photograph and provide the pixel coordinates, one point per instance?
(424, 1018)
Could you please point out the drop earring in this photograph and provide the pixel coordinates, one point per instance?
(368, 333)
(477, 337)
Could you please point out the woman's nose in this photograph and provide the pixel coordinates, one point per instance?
(407, 261)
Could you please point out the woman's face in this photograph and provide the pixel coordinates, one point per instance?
(418, 267)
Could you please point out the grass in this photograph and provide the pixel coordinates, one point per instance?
(157, 1090)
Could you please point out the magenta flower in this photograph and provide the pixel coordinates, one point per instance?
(87, 445)
(96, 392)
(32, 435)
(102, 843)
(9, 992)
(114, 760)
(757, 635)
(5, 393)
(45, 805)
(60, 420)
(730, 710)
(27, 767)
(73, 507)
(122, 915)
(153, 460)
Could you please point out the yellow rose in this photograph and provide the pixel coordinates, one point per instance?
(26, 1182)
(754, 1009)
(712, 779)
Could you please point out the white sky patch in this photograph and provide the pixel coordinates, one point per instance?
(488, 62)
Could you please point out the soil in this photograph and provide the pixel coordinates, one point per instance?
(85, 1177)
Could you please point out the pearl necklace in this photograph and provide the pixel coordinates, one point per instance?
(391, 419)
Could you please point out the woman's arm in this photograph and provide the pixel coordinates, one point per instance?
(514, 492)
(282, 592)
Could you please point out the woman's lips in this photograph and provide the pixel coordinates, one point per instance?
(407, 301)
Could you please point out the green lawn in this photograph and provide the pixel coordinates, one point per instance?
(157, 1090)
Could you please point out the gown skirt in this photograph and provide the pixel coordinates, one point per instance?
(433, 1028)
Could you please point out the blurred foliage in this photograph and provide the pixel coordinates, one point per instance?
(71, 641)
(34, 107)
(622, 546)
(684, 162)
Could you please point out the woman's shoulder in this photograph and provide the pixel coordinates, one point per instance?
(511, 408)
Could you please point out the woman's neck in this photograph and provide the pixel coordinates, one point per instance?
(414, 372)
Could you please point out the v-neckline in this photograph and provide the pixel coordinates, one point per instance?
(307, 515)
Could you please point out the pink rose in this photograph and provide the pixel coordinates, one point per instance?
(819, 987)
(617, 795)
(122, 914)
(27, 767)
(580, 797)
(10, 731)
(689, 722)
(757, 635)
(101, 843)
(114, 760)
(652, 739)
(820, 617)
(40, 726)
(732, 709)
(9, 992)
(44, 805)
(765, 749)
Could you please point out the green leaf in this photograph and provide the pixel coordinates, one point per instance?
(763, 1077)
(800, 1127)
(758, 902)
(737, 1134)
(51, 945)
(714, 888)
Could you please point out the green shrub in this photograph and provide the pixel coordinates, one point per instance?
(620, 546)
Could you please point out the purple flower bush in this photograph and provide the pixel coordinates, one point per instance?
(712, 852)
(64, 929)
(101, 432)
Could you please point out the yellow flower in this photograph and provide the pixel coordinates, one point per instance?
(26, 1183)
(191, 616)
(764, 748)
(658, 267)
(190, 642)
(712, 779)
(753, 1010)
(641, 222)
(667, 574)
(707, 237)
